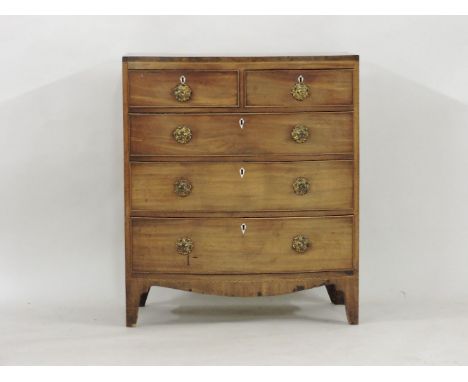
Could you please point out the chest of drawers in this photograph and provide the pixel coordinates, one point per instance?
(241, 176)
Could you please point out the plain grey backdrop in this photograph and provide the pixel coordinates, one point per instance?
(61, 187)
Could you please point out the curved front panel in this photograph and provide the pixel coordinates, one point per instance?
(242, 186)
(235, 245)
(241, 134)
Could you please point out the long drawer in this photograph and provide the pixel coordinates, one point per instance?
(234, 245)
(238, 134)
(241, 186)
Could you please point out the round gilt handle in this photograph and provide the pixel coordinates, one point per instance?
(300, 243)
(182, 92)
(184, 246)
(182, 134)
(300, 91)
(300, 133)
(301, 186)
(182, 187)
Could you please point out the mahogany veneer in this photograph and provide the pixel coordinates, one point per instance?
(242, 176)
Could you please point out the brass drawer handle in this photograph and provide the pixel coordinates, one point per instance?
(182, 187)
(300, 91)
(300, 243)
(301, 186)
(300, 133)
(182, 92)
(184, 246)
(182, 134)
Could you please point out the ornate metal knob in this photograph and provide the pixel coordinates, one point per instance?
(300, 133)
(300, 243)
(301, 186)
(182, 92)
(182, 134)
(182, 187)
(184, 246)
(300, 91)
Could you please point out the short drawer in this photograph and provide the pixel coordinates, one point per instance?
(234, 245)
(241, 186)
(299, 88)
(188, 88)
(247, 134)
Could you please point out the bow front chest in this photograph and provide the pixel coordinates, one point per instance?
(241, 176)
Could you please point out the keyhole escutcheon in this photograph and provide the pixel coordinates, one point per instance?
(242, 172)
(243, 227)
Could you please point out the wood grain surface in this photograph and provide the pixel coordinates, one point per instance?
(273, 87)
(223, 260)
(221, 247)
(209, 88)
(220, 134)
(246, 285)
(264, 187)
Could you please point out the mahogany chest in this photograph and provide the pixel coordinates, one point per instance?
(241, 176)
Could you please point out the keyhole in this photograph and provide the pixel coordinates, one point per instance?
(242, 172)
(182, 79)
(243, 228)
(300, 79)
(241, 123)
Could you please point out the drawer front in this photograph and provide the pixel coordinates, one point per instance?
(242, 186)
(248, 134)
(318, 88)
(157, 88)
(220, 245)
